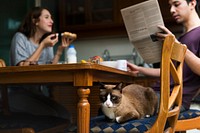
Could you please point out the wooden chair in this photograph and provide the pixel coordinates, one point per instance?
(171, 64)
(189, 119)
(2, 63)
(26, 123)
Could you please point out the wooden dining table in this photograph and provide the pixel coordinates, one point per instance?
(82, 76)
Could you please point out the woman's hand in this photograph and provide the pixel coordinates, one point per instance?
(68, 38)
(50, 40)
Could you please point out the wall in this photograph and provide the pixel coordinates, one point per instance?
(117, 46)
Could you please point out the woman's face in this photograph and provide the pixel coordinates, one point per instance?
(45, 22)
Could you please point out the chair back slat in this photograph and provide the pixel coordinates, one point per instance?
(178, 52)
(174, 73)
(173, 96)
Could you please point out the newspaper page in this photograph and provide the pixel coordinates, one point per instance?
(141, 21)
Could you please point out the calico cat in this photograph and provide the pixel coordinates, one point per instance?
(121, 103)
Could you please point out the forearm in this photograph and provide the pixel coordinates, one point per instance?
(155, 72)
(33, 58)
(57, 55)
(193, 62)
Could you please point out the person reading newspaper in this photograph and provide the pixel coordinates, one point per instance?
(184, 12)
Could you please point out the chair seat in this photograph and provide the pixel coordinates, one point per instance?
(100, 125)
(191, 113)
(22, 120)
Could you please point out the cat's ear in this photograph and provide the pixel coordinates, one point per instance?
(120, 86)
(102, 85)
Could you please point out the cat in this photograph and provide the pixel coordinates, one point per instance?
(121, 103)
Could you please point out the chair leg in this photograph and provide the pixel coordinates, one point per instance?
(4, 97)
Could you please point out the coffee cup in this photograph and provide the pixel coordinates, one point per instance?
(122, 65)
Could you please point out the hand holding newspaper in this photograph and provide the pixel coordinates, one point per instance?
(141, 21)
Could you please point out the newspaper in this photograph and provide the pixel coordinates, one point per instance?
(141, 21)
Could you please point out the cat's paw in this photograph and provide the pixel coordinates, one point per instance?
(147, 116)
(118, 119)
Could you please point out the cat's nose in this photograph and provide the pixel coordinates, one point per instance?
(108, 104)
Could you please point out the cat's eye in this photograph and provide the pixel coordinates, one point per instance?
(114, 98)
(102, 98)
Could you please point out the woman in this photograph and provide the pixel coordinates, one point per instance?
(33, 43)
(27, 46)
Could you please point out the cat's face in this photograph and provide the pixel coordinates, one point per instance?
(110, 95)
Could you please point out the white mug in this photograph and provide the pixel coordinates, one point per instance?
(122, 65)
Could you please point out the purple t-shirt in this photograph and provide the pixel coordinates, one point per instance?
(191, 81)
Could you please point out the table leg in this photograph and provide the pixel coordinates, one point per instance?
(83, 109)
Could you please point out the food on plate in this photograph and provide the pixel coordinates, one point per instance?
(96, 59)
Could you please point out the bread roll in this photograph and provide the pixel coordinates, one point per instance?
(72, 36)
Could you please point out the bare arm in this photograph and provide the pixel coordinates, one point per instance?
(192, 61)
(47, 42)
(67, 39)
(150, 71)
(58, 54)
(143, 70)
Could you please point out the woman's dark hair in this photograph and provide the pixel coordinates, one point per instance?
(28, 25)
